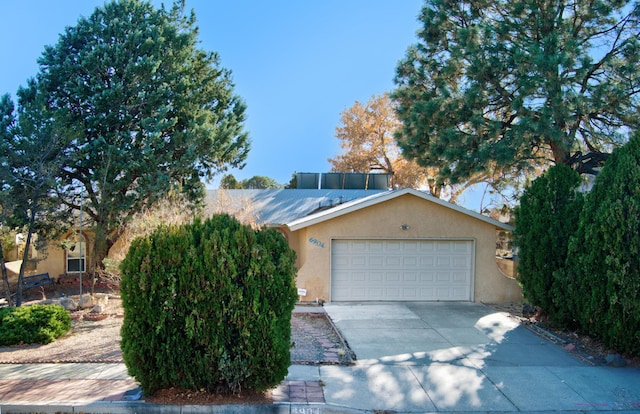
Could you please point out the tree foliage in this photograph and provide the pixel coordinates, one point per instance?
(501, 86)
(257, 182)
(229, 182)
(367, 143)
(603, 265)
(366, 135)
(545, 220)
(33, 155)
(208, 306)
(145, 111)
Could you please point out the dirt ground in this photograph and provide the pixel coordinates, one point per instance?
(95, 337)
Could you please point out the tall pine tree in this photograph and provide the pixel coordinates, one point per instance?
(145, 110)
(513, 84)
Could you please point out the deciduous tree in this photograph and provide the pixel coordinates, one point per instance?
(146, 111)
(366, 135)
(510, 84)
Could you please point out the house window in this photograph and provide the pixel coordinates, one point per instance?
(76, 254)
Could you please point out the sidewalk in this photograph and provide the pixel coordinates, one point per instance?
(412, 358)
(106, 388)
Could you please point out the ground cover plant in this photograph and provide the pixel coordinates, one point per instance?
(36, 324)
(208, 306)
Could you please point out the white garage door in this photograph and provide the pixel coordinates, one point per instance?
(401, 270)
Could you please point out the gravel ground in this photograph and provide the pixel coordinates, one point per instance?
(314, 339)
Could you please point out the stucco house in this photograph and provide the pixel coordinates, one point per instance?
(392, 245)
(360, 245)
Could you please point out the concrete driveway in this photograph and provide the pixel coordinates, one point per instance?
(463, 357)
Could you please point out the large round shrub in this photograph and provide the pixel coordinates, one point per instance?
(35, 324)
(545, 220)
(603, 258)
(208, 305)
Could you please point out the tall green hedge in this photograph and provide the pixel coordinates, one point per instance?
(603, 261)
(208, 305)
(545, 220)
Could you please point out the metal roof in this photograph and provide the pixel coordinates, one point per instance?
(300, 208)
(279, 207)
(372, 199)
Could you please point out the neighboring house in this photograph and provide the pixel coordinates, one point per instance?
(67, 256)
(369, 245)
(360, 245)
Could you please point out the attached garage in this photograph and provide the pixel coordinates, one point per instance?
(402, 245)
(402, 270)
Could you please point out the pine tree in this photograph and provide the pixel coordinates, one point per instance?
(145, 110)
(515, 84)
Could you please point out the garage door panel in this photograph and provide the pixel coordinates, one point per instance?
(461, 262)
(443, 261)
(392, 277)
(460, 277)
(340, 261)
(401, 270)
(376, 277)
(391, 294)
(376, 246)
(410, 277)
(359, 276)
(427, 276)
(410, 262)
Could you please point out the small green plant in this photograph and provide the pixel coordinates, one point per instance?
(33, 324)
(208, 306)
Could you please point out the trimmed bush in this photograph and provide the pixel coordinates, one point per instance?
(36, 324)
(545, 220)
(603, 260)
(208, 305)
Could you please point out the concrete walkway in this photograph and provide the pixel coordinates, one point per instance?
(442, 357)
(417, 357)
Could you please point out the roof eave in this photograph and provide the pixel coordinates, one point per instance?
(381, 197)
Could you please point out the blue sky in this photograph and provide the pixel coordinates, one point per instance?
(298, 64)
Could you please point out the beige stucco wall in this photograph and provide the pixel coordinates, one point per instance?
(54, 261)
(425, 220)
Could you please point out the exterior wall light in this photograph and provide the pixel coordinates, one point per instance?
(404, 226)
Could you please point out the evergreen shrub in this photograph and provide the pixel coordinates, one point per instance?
(208, 306)
(35, 324)
(545, 220)
(603, 260)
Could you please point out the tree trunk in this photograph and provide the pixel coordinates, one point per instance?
(5, 278)
(25, 258)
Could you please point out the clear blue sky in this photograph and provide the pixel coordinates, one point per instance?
(298, 64)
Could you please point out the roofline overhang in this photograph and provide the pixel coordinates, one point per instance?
(377, 198)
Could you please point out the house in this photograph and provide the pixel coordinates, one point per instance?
(360, 245)
(371, 245)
